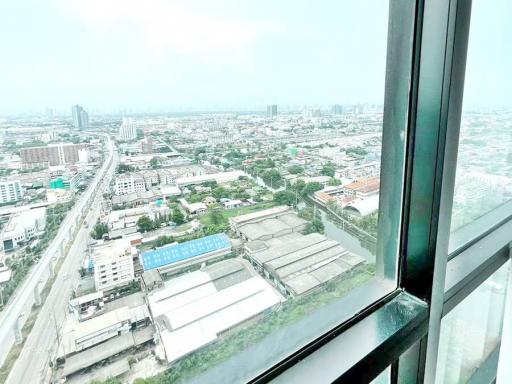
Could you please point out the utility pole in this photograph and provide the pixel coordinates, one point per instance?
(56, 328)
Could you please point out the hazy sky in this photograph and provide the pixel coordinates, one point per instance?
(108, 54)
(167, 54)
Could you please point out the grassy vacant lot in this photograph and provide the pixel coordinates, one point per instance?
(227, 213)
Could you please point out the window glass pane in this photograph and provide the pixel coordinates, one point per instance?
(384, 377)
(484, 170)
(242, 220)
(472, 330)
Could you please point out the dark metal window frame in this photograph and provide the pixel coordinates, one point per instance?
(426, 268)
(423, 100)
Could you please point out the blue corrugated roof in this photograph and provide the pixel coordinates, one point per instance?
(178, 252)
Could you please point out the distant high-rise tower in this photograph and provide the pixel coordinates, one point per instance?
(80, 117)
(337, 109)
(128, 130)
(271, 110)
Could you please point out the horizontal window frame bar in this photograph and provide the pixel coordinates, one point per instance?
(480, 228)
(356, 365)
(475, 264)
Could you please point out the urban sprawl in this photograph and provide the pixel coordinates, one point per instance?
(156, 247)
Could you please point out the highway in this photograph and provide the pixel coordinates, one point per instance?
(30, 366)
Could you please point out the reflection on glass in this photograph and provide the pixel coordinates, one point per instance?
(245, 199)
(472, 330)
(484, 169)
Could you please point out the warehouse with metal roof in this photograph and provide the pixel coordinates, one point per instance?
(298, 263)
(268, 223)
(174, 257)
(194, 309)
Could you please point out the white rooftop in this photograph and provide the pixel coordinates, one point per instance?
(193, 310)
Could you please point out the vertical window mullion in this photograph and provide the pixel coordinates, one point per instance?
(431, 163)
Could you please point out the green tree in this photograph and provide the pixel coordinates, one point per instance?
(316, 226)
(306, 213)
(358, 151)
(155, 162)
(217, 218)
(284, 198)
(163, 240)
(333, 182)
(297, 186)
(311, 188)
(328, 170)
(145, 224)
(296, 169)
(99, 230)
(220, 192)
(211, 183)
(124, 168)
(177, 216)
(272, 178)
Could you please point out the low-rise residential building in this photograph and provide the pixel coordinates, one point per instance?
(23, 227)
(209, 201)
(194, 208)
(220, 178)
(113, 264)
(137, 198)
(363, 188)
(151, 178)
(127, 218)
(230, 204)
(129, 183)
(86, 306)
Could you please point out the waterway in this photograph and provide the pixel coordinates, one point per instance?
(334, 231)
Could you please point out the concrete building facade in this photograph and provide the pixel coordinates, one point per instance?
(10, 191)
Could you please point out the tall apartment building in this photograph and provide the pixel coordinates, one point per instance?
(271, 110)
(10, 191)
(337, 109)
(126, 184)
(128, 130)
(113, 265)
(51, 155)
(80, 117)
(147, 144)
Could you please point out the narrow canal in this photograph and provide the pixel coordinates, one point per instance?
(334, 230)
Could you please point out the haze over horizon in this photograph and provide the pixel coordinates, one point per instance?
(112, 55)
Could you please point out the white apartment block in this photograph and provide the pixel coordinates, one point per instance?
(10, 191)
(113, 265)
(128, 130)
(131, 183)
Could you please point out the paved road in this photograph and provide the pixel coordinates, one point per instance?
(42, 334)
